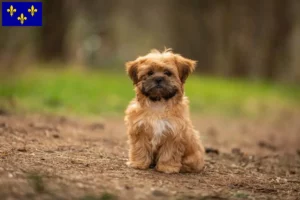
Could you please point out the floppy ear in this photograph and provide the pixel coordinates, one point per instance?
(131, 69)
(185, 66)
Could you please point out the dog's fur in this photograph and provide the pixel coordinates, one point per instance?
(160, 131)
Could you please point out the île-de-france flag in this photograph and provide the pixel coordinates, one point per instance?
(22, 14)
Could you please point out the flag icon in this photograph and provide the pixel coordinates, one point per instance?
(22, 14)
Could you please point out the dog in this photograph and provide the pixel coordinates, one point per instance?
(159, 128)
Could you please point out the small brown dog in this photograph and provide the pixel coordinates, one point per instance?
(159, 127)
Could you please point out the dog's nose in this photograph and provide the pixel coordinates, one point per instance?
(158, 80)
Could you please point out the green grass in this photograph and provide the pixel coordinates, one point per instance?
(108, 93)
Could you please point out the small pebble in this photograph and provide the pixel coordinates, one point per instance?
(211, 150)
(236, 151)
(158, 193)
(80, 185)
(23, 149)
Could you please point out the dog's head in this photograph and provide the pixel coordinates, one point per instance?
(160, 75)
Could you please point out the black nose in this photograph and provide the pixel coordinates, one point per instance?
(158, 80)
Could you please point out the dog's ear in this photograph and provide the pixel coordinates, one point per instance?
(185, 66)
(131, 69)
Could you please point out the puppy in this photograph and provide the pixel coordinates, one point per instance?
(160, 131)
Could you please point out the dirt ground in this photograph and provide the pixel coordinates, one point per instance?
(52, 157)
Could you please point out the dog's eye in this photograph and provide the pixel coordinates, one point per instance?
(150, 73)
(168, 73)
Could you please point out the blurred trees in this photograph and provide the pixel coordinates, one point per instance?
(246, 38)
(239, 38)
(53, 33)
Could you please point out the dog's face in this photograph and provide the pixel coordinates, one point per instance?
(159, 76)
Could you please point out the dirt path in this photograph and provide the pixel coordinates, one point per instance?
(62, 158)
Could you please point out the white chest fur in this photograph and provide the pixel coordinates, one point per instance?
(160, 125)
(160, 128)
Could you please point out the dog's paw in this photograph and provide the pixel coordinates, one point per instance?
(167, 169)
(193, 163)
(137, 165)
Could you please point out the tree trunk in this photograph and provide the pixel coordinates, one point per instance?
(53, 32)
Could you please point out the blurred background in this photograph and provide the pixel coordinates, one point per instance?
(247, 53)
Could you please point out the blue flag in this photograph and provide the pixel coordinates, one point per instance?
(22, 14)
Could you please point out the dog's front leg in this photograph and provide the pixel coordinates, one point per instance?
(139, 151)
(170, 156)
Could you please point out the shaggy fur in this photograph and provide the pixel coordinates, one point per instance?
(160, 131)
